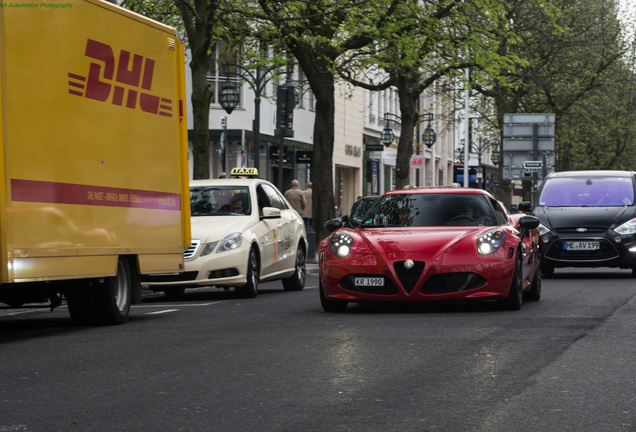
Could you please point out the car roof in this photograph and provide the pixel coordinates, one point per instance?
(588, 173)
(439, 190)
(228, 182)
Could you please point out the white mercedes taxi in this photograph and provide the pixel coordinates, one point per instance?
(243, 232)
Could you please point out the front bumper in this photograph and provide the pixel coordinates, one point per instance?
(226, 269)
(433, 277)
(611, 253)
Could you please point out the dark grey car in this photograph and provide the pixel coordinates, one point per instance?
(588, 219)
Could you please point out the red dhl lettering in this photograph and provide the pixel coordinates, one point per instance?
(122, 80)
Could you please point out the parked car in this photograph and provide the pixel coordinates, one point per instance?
(431, 244)
(243, 232)
(361, 207)
(588, 219)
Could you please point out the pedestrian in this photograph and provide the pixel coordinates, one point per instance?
(307, 213)
(296, 197)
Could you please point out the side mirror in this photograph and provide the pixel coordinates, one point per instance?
(333, 224)
(529, 222)
(271, 213)
(526, 223)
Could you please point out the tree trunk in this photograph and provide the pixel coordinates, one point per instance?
(201, 115)
(322, 166)
(409, 118)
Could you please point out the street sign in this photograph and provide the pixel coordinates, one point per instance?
(516, 130)
(526, 144)
(520, 173)
(518, 159)
(529, 118)
(533, 165)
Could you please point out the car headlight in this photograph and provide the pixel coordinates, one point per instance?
(490, 242)
(209, 248)
(627, 228)
(543, 229)
(340, 244)
(233, 241)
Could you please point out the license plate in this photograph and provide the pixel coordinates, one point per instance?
(369, 281)
(582, 245)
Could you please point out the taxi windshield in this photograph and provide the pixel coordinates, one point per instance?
(219, 200)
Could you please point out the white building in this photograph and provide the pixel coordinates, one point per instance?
(362, 165)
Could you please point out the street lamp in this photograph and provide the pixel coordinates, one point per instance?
(495, 157)
(229, 96)
(387, 135)
(428, 136)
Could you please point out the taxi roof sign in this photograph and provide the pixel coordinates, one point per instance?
(252, 172)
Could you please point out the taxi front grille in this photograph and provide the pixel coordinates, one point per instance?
(191, 251)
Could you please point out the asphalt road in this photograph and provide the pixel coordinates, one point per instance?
(206, 361)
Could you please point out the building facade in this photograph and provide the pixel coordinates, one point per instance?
(362, 164)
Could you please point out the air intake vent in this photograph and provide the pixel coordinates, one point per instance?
(408, 276)
(172, 44)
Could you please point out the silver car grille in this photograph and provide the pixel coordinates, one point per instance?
(191, 251)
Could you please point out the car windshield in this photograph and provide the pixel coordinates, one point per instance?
(587, 192)
(219, 200)
(360, 208)
(430, 210)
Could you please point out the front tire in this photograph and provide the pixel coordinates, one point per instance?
(250, 289)
(535, 289)
(337, 306)
(515, 297)
(296, 282)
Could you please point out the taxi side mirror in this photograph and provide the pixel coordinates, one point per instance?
(270, 213)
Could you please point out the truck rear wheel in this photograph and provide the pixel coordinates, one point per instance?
(91, 302)
(113, 297)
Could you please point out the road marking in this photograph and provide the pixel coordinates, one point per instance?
(150, 305)
(162, 311)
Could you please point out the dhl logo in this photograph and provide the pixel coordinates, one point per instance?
(122, 80)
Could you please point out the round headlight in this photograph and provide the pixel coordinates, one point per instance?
(490, 242)
(340, 244)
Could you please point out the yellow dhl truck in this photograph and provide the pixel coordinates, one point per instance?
(93, 156)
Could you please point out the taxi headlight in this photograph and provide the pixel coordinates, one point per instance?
(340, 244)
(627, 228)
(490, 242)
(208, 249)
(231, 242)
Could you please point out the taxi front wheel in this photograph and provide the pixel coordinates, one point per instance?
(250, 289)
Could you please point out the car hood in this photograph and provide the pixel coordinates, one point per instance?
(414, 239)
(216, 228)
(588, 217)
